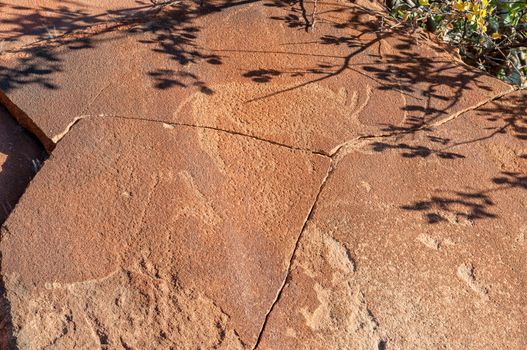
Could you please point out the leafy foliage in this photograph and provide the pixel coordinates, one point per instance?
(489, 34)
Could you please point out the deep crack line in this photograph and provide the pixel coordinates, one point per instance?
(336, 155)
(335, 152)
(330, 171)
(196, 126)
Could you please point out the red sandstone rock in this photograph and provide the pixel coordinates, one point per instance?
(192, 149)
(25, 22)
(210, 68)
(183, 213)
(20, 158)
(416, 243)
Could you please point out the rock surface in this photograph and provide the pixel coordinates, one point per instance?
(186, 60)
(217, 213)
(416, 244)
(25, 22)
(247, 175)
(21, 156)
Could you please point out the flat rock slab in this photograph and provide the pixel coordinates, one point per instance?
(417, 243)
(141, 234)
(211, 191)
(39, 72)
(206, 66)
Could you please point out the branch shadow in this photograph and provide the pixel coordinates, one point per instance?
(507, 118)
(423, 79)
(509, 114)
(175, 33)
(36, 68)
(296, 17)
(411, 151)
(43, 23)
(427, 79)
(453, 206)
(169, 29)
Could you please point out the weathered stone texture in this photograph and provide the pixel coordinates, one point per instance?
(187, 57)
(218, 213)
(235, 174)
(26, 22)
(417, 242)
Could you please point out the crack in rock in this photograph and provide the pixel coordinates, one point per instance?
(335, 158)
(293, 255)
(171, 125)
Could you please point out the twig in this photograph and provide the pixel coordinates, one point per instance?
(314, 15)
